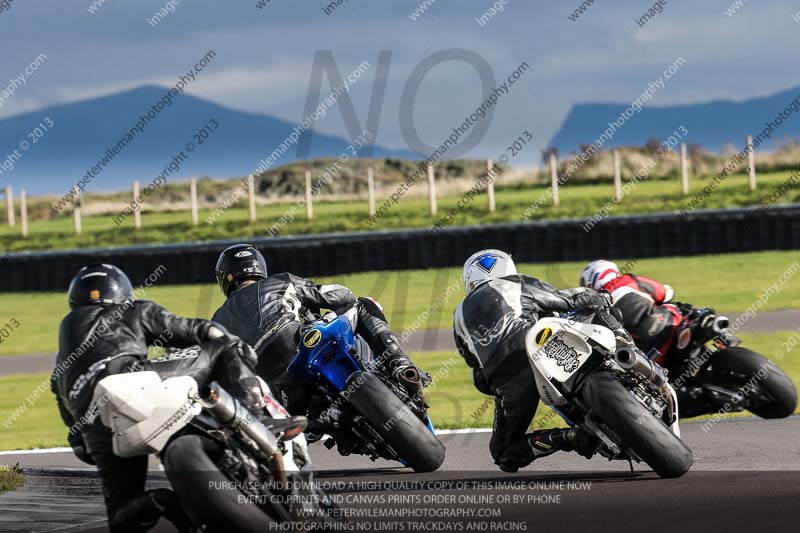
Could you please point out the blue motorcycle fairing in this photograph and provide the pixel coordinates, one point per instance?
(327, 357)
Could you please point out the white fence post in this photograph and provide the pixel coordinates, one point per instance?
(23, 211)
(137, 213)
(193, 194)
(76, 211)
(10, 206)
(490, 186)
(309, 197)
(554, 179)
(432, 190)
(684, 169)
(251, 198)
(371, 191)
(751, 162)
(617, 176)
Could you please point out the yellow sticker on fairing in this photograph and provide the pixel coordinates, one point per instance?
(312, 338)
(543, 335)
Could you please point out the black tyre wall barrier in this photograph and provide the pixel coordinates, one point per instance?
(659, 235)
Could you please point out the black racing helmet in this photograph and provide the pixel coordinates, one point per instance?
(99, 284)
(238, 263)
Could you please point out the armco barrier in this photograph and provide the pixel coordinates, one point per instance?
(659, 235)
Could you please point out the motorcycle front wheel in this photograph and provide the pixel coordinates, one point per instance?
(638, 429)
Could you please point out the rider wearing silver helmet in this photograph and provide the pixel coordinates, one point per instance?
(489, 327)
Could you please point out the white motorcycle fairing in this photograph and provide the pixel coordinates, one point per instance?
(557, 348)
(143, 411)
(568, 352)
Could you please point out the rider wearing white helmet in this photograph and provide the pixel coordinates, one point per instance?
(489, 327)
(642, 302)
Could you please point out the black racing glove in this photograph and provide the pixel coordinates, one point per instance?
(592, 300)
(212, 332)
(245, 352)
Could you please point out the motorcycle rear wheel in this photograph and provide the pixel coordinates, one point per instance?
(395, 422)
(775, 395)
(649, 438)
(194, 475)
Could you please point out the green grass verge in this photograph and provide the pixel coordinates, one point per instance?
(577, 200)
(729, 282)
(454, 401)
(11, 478)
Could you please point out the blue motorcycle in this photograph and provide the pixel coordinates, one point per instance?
(362, 407)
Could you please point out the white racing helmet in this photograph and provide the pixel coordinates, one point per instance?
(597, 273)
(486, 265)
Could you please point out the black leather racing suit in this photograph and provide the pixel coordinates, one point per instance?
(266, 315)
(97, 341)
(489, 328)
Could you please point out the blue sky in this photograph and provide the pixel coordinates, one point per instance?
(264, 56)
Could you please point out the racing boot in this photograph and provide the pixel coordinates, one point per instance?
(142, 512)
(563, 440)
(402, 368)
(546, 442)
(374, 328)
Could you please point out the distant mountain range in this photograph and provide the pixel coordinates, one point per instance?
(713, 124)
(82, 132)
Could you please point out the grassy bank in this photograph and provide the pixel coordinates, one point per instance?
(728, 283)
(11, 478)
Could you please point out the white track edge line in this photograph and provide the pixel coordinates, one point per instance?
(65, 449)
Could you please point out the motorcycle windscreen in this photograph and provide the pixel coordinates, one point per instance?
(143, 411)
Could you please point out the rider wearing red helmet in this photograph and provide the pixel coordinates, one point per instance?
(643, 302)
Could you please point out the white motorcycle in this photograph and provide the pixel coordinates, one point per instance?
(229, 470)
(611, 390)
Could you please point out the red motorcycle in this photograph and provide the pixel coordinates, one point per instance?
(711, 372)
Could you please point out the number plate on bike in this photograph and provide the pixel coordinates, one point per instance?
(565, 356)
(561, 356)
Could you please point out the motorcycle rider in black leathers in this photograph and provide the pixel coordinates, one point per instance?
(265, 310)
(108, 332)
(489, 327)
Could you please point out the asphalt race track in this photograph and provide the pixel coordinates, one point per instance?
(746, 477)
